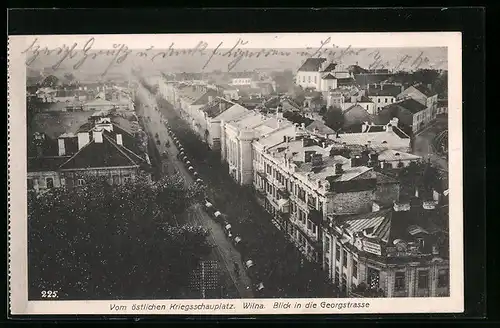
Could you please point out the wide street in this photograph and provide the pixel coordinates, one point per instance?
(224, 251)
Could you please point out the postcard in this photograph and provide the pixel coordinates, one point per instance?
(235, 174)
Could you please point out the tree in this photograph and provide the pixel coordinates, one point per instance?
(50, 82)
(102, 241)
(334, 118)
(423, 176)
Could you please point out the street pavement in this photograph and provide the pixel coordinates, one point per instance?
(224, 249)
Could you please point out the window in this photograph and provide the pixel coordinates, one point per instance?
(399, 281)
(344, 260)
(315, 228)
(116, 179)
(423, 279)
(327, 244)
(315, 80)
(373, 278)
(443, 278)
(80, 182)
(31, 185)
(309, 225)
(386, 100)
(309, 79)
(337, 252)
(303, 79)
(50, 182)
(378, 99)
(392, 100)
(355, 268)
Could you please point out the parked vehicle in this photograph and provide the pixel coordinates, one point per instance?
(156, 135)
(158, 142)
(199, 181)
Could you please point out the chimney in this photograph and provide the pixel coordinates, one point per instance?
(429, 205)
(83, 139)
(303, 126)
(62, 148)
(338, 169)
(356, 161)
(364, 127)
(375, 207)
(210, 99)
(97, 136)
(388, 127)
(308, 154)
(316, 160)
(119, 139)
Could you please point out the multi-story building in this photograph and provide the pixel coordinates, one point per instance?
(420, 93)
(399, 251)
(409, 112)
(301, 179)
(236, 142)
(217, 111)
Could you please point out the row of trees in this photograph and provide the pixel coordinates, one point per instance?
(103, 241)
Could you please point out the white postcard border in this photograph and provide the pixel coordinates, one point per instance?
(17, 168)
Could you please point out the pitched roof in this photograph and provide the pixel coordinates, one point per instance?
(330, 67)
(329, 76)
(312, 65)
(386, 91)
(365, 79)
(412, 105)
(53, 124)
(393, 155)
(356, 115)
(105, 154)
(216, 106)
(322, 128)
(422, 88)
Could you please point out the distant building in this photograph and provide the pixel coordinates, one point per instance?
(356, 115)
(409, 113)
(420, 93)
(321, 75)
(383, 94)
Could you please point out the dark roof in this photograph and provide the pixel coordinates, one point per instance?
(105, 154)
(356, 69)
(214, 108)
(385, 91)
(394, 110)
(330, 67)
(356, 115)
(312, 65)
(345, 81)
(364, 99)
(204, 98)
(422, 88)
(329, 76)
(39, 164)
(412, 105)
(365, 79)
(385, 179)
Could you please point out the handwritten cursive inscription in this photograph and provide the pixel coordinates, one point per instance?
(235, 53)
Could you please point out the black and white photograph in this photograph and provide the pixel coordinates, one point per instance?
(211, 173)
